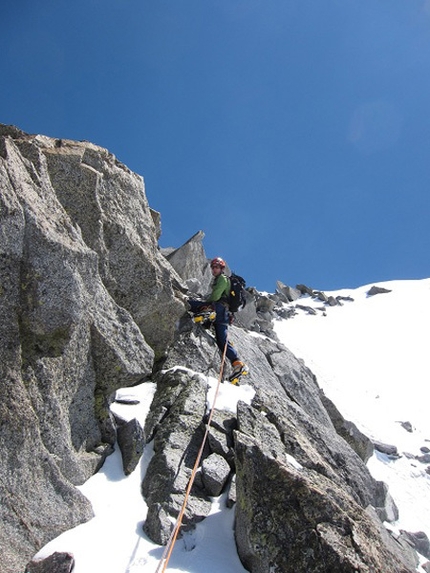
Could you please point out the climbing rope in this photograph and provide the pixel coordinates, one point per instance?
(172, 539)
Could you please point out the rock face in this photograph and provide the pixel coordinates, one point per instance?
(304, 496)
(319, 524)
(86, 302)
(89, 304)
(180, 402)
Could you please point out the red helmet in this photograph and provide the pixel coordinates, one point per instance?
(218, 262)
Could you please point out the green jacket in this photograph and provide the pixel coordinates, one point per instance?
(220, 289)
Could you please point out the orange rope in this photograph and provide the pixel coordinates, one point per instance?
(169, 547)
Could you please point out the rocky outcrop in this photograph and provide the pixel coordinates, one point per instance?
(287, 301)
(377, 290)
(191, 264)
(86, 303)
(177, 412)
(317, 526)
(304, 497)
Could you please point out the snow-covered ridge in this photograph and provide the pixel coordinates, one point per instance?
(371, 357)
(359, 352)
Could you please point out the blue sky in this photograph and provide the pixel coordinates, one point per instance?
(295, 134)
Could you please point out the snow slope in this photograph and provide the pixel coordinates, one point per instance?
(371, 358)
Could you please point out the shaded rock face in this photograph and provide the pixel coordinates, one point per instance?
(86, 303)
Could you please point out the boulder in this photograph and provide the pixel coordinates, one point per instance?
(341, 298)
(384, 504)
(321, 296)
(303, 289)
(284, 312)
(377, 290)
(215, 473)
(264, 304)
(388, 449)
(131, 442)
(307, 309)
(418, 540)
(288, 294)
(220, 437)
(55, 563)
(407, 426)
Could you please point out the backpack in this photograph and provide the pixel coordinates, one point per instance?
(237, 293)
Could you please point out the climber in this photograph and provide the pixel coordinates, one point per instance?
(218, 301)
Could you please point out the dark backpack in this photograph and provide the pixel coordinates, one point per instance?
(237, 293)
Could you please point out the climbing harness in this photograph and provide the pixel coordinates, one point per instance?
(205, 318)
(172, 539)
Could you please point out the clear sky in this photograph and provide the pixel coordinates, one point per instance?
(294, 133)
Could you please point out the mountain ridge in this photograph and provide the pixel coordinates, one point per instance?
(89, 305)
